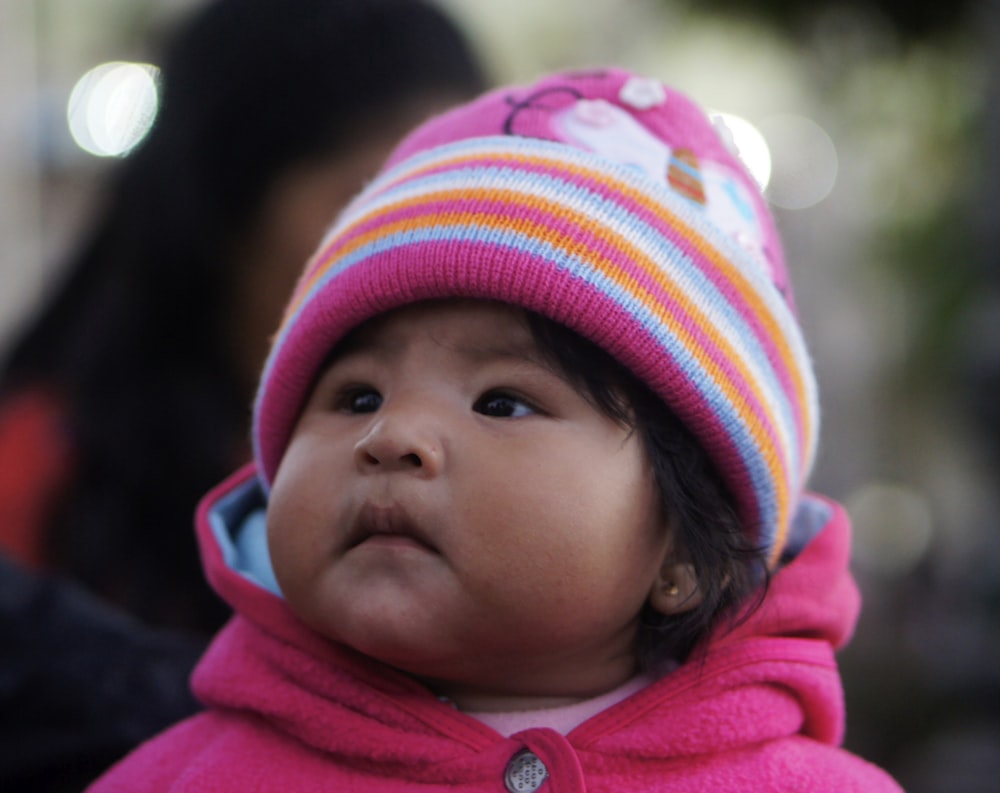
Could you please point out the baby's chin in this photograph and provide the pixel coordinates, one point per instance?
(476, 670)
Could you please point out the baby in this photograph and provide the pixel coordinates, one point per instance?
(528, 506)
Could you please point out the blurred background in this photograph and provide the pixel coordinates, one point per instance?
(874, 126)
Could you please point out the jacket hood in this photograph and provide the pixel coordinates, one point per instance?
(773, 675)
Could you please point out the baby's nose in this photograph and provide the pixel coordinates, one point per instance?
(400, 442)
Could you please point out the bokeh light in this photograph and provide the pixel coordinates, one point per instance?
(804, 161)
(751, 145)
(112, 107)
(893, 527)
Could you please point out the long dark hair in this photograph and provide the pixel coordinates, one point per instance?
(132, 340)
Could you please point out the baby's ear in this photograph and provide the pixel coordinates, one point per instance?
(675, 589)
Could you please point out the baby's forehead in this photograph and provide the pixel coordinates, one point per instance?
(474, 329)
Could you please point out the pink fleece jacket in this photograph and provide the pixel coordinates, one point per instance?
(288, 710)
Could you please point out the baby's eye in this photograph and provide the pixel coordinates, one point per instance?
(359, 399)
(502, 404)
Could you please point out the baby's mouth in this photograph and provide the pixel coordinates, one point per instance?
(387, 525)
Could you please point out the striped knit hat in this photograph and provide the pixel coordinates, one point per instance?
(608, 203)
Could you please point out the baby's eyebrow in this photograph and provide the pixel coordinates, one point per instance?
(502, 350)
(526, 353)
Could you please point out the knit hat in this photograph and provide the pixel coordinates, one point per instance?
(606, 202)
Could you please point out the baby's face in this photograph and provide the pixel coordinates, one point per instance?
(450, 505)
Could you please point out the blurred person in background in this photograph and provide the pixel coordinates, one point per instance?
(127, 396)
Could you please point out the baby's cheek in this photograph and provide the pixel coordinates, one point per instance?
(292, 549)
(306, 583)
(281, 563)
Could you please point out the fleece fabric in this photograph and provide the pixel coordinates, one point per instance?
(761, 710)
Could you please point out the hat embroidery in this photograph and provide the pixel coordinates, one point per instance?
(606, 129)
(684, 175)
(601, 127)
(531, 102)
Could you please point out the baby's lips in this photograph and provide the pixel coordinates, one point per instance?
(375, 520)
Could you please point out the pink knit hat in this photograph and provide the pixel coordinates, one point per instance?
(608, 203)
